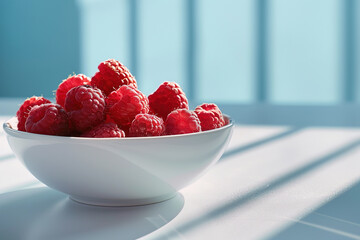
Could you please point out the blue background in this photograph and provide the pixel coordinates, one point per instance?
(299, 52)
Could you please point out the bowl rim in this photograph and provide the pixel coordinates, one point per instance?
(21, 134)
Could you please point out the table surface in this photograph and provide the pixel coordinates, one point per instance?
(273, 182)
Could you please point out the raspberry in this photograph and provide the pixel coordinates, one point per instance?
(210, 116)
(227, 121)
(152, 112)
(146, 125)
(167, 98)
(48, 118)
(105, 130)
(124, 104)
(182, 121)
(112, 75)
(85, 106)
(108, 119)
(67, 84)
(25, 108)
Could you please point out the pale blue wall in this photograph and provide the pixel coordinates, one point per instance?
(246, 51)
(39, 45)
(305, 51)
(104, 28)
(226, 50)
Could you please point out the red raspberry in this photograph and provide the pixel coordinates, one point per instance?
(146, 125)
(167, 98)
(124, 104)
(152, 112)
(48, 118)
(105, 130)
(210, 116)
(85, 106)
(182, 121)
(25, 108)
(108, 119)
(112, 75)
(67, 84)
(227, 121)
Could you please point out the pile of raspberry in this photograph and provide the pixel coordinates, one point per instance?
(109, 105)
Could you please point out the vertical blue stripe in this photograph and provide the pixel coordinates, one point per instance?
(261, 56)
(133, 21)
(349, 94)
(191, 49)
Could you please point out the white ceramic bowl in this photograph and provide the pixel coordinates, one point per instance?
(118, 172)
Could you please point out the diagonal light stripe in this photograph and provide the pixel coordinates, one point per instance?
(259, 143)
(230, 205)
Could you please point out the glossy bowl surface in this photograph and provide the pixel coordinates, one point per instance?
(118, 171)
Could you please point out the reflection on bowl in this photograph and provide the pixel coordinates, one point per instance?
(118, 171)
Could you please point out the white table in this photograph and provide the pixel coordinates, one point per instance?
(273, 182)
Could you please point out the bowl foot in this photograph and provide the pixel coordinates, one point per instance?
(122, 203)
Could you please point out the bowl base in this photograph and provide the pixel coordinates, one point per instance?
(122, 203)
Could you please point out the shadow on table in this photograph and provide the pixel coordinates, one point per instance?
(337, 219)
(42, 213)
(259, 143)
(7, 157)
